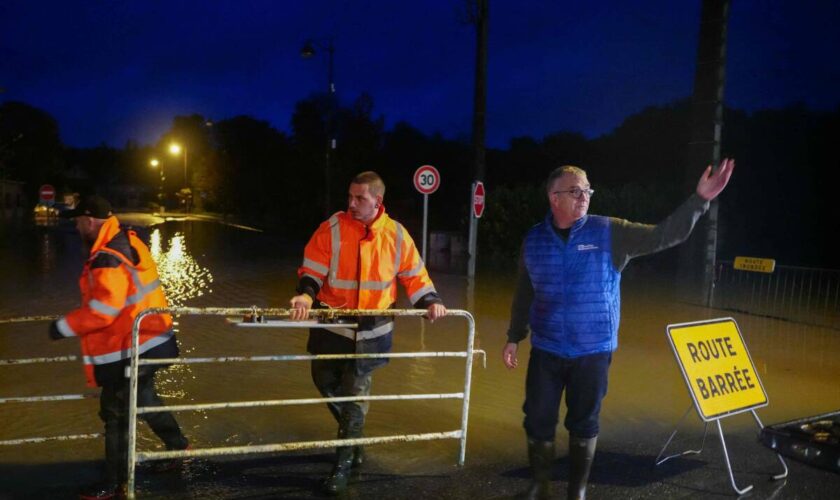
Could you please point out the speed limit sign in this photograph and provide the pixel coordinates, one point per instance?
(426, 179)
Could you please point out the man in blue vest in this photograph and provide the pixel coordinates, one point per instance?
(568, 293)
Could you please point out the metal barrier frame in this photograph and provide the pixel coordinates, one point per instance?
(324, 314)
(42, 399)
(804, 295)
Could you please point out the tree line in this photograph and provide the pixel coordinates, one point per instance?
(777, 206)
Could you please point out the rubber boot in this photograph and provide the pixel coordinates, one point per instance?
(102, 491)
(116, 452)
(352, 422)
(541, 457)
(581, 454)
(358, 456)
(169, 465)
(337, 481)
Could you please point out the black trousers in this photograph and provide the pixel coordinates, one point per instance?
(584, 380)
(340, 377)
(113, 410)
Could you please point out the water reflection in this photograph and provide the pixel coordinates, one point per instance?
(182, 277)
(47, 255)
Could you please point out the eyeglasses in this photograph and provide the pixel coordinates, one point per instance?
(576, 192)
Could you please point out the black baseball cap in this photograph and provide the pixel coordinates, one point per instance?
(92, 206)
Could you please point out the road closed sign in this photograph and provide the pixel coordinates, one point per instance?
(717, 367)
(754, 264)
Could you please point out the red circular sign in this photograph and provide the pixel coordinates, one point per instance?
(478, 199)
(427, 179)
(46, 192)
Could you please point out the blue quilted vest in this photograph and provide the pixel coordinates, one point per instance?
(576, 304)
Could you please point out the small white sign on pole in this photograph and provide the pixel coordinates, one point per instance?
(426, 181)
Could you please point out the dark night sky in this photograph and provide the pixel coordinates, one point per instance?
(114, 70)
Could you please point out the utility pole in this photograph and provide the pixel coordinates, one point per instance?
(479, 18)
(330, 128)
(307, 51)
(697, 263)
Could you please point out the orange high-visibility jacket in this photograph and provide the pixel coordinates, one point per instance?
(358, 266)
(119, 280)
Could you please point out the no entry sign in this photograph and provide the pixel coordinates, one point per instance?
(46, 194)
(478, 199)
(426, 179)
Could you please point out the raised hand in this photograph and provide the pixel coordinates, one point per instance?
(711, 183)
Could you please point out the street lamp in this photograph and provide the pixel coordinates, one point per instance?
(175, 149)
(307, 51)
(154, 163)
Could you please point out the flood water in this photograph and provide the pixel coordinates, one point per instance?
(206, 264)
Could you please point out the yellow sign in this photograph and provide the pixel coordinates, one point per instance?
(754, 264)
(717, 367)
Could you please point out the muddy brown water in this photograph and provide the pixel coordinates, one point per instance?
(207, 264)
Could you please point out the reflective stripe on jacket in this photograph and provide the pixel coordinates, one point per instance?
(119, 280)
(576, 304)
(358, 266)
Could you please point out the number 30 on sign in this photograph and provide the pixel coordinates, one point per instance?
(426, 179)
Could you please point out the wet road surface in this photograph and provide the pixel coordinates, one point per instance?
(204, 264)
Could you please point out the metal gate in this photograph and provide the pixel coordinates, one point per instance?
(259, 315)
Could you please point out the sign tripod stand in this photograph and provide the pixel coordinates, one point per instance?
(721, 379)
(740, 491)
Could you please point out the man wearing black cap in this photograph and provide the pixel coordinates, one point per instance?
(119, 280)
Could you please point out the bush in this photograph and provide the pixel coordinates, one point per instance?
(511, 212)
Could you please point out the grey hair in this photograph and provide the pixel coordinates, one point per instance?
(560, 172)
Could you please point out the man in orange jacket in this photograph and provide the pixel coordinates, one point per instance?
(353, 261)
(119, 280)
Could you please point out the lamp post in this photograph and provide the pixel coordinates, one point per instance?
(308, 50)
(154, 163)
(175, 149)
